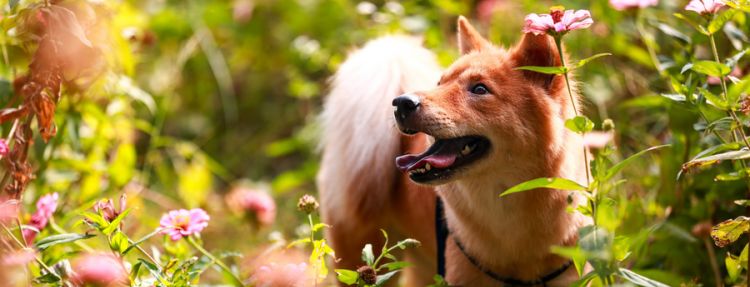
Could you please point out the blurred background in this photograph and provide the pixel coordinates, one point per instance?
(179, 103)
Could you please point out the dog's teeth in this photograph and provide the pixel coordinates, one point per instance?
(466, 150)
(427, 167)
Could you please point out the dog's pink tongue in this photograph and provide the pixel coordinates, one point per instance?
(410, 162)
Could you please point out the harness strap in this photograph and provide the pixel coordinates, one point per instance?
(441, 234)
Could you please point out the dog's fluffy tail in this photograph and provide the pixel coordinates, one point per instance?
(359, 138)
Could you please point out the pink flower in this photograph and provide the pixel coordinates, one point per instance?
(288, 274)
(705, 6)
(99, 269)
(8, 210)
(557, 22)
(256, 202)
(18, 258)
(629, 4)
(597, 139)
(45, 207)
(180, 223)
(4, 149)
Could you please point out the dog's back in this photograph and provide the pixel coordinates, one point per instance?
(359, 186)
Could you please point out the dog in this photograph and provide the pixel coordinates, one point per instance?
(461, 136)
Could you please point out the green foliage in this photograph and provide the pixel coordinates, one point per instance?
(176, 102)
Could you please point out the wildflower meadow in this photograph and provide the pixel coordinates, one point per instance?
(176, 143)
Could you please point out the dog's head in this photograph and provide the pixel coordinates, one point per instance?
(485, 113)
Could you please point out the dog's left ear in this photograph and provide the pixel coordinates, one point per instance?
(469, 40)
(537, 50)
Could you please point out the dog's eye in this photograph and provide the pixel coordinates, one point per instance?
(479, 89)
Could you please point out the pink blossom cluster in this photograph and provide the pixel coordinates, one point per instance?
(704, 7)
(631, 4)
(181, 223)
(255, 202)
(99, 269)
(45, 207)
(558, 22)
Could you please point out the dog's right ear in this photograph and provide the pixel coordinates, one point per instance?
(469, 40)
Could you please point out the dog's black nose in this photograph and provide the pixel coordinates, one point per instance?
(405, 106)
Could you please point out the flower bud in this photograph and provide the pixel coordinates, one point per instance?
(410, 243)
(367, 274)
(608, 125)
(307, 204)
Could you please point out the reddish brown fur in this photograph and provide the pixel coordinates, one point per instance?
(523, 119)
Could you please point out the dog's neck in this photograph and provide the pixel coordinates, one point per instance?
(513, 235)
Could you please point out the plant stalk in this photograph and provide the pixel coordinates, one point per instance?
(558, 42)
(213, 258)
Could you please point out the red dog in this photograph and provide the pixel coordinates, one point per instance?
(485, 127)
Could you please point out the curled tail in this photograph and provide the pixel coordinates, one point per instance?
(359, 138)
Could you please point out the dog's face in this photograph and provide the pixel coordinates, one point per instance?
(484, 112)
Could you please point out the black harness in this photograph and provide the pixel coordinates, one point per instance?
(442, 232)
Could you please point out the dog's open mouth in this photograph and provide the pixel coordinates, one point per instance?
(443, 158)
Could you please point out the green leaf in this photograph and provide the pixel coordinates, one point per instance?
(639, 280)
(319, 226)
(119, 242)
(583, 62)
(573, 253)
(381, 279)
(718, 22)
(115, 223)
(367, 255)
(298, 242)
(48, 278)
(736, 90)
(97, 220)
(12, 4)
(714, 99)
(152, 268)
(53, 240)
(734, 268)
(704, 161)
(545, 182)
(711, 68)
(579, 124)
(346, 276)
(730, 230)
(545, 70)
(398, 265)
(612, 171)
(697, 27)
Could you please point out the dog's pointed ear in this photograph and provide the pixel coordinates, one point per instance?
(537, 50)
(469, 39)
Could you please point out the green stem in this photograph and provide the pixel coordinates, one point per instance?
(23, 245)
(740, 125)
(558, 42)
(135, 244)
(731, 112)
(213, 258)
(312, 241)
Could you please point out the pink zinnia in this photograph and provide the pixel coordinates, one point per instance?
(705, 6)
(282, 274)
(629, 4)
(4, 149)
(45, 207)
(255, 202)
(99, 269)
(557, 22)
(180, 223)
